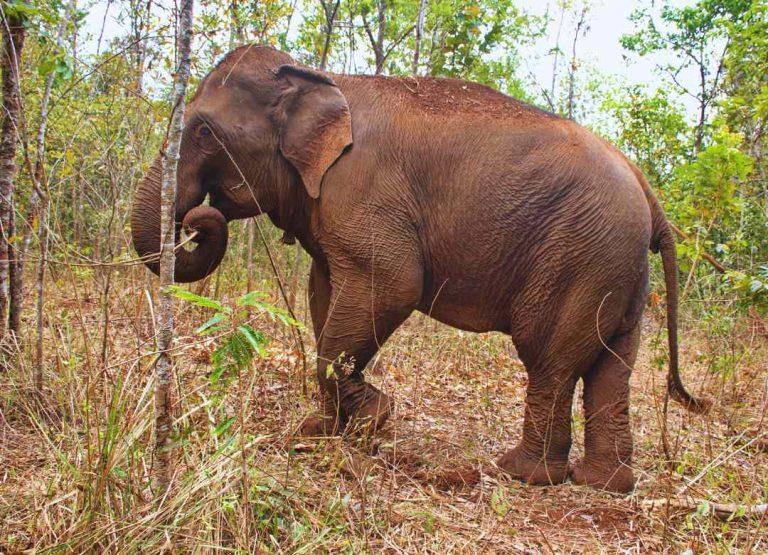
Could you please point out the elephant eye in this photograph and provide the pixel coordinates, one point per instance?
(205, 138)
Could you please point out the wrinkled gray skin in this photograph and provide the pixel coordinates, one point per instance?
(441, 196)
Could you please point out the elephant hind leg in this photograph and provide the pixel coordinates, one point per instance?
(607, 436)
(541, 457)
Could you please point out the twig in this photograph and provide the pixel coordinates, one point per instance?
(722, 511)
(705, 255)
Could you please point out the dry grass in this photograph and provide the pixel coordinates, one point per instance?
(74, 476)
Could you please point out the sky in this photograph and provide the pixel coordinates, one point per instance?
(599, 48)
(608, 21)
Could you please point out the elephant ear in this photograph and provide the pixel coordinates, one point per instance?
(314, 121)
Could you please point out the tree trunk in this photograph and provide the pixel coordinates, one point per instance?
(555, 63)
(295, 276)
(36, 199)
(13, 43)
(42, 228)
(251, 234)
(379, 46)
(330, 9)
(15, 280)
(419, 32)
(165, 324)
(698, 134)
(571, 109)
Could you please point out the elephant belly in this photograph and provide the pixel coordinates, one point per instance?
(466, 308)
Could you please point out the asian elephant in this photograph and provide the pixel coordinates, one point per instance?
(446, 197)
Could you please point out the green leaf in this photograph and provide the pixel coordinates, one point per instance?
(252, 298)
(46, 66)
(227, 444)
(224, 426)
(255, 339)
(206, 327)
(199, 300)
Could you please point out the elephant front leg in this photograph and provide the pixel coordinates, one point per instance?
(319, 293)
(541, 457)
(353, 328)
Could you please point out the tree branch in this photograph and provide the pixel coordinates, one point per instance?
(705, 255)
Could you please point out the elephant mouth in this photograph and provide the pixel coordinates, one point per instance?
(230, 207)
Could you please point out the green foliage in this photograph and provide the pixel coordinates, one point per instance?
(754, 286)
(695, 36)
(705, 188)
(747, 101)
(236, 342)
(19, 10)
(230, 24)
(686, 31)
(479, 41)
(651, 129)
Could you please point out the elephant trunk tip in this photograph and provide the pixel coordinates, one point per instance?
(208, 229)
(208, 225)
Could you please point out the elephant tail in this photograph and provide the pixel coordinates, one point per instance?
(663, 242)
(675, 387)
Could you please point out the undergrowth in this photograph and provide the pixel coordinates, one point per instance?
(75, 464)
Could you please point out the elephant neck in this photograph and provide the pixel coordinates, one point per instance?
(293, 214)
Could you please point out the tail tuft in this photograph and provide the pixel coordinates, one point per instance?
(678, 392)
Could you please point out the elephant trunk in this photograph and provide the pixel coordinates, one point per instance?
(209, 223)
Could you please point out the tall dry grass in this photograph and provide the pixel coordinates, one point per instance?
(75, 465)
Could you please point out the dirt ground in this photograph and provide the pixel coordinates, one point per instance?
(75, 476)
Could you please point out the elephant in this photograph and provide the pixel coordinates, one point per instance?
(442, 196)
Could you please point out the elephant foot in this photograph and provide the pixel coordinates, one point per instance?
(372, 411)
(616, 478)
(328, 423)
(320, 426)
(363, 414)
(531, 470)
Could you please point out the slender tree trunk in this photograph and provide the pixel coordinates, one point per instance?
(419, 32)
(379, 46)
(42, 230)
(36, 199)
(13, 42)
(165, 324)
(14, 279)
(330, 9)
(295, 276)
(698, 135)
(571, 108)
(142, 42)
(555, 63)
(250, 226)
(377, 42)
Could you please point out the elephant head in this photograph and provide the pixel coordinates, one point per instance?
(259, 133)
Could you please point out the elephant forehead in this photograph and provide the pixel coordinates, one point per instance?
(251, 61)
